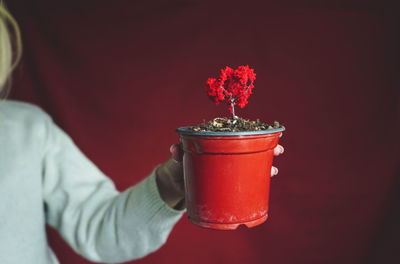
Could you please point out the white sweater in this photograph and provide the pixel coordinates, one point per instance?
(44, 178)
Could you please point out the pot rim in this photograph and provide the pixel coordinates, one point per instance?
(186, 131)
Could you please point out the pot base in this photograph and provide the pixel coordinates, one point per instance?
(231, 226)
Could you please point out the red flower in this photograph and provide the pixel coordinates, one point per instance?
(233, 86)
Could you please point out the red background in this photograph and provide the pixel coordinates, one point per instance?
(120, 76)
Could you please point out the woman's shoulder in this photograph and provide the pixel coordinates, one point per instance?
(17, 111)
(23, 121)
(23, 126)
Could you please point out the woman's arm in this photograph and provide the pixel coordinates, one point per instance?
(91, 215)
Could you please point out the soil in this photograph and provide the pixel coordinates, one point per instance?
(223, 124)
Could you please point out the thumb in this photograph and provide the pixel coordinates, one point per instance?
(176, 152)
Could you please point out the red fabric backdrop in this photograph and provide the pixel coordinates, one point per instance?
(120, 76)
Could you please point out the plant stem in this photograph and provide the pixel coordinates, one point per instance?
(234, 118)
(233, 111)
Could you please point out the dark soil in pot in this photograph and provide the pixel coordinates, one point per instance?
(223, 124)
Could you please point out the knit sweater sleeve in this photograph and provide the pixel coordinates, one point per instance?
(95, 219)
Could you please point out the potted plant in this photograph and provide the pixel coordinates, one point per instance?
(227, 162)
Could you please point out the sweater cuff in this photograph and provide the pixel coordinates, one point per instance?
(158, 211)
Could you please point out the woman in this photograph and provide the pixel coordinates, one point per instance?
(44, 178)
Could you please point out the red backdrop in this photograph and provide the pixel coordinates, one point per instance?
(120, 76)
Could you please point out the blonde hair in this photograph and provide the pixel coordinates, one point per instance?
(10, 40)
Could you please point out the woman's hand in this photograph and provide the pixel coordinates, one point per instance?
(170, 181)
(169, 176)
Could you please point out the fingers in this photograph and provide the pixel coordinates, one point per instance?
(274, 171)
(278, 150)
(176, 152)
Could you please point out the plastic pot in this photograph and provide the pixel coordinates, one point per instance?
(227, 176)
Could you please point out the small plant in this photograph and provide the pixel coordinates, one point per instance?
(233, 87)
(228, 161)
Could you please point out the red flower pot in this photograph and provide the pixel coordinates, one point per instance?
(227, 176)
